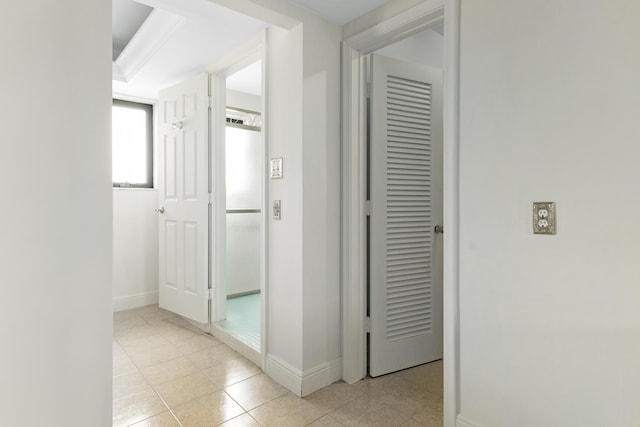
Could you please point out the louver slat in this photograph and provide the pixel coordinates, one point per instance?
(408, 209)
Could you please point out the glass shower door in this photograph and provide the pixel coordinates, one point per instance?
(244, 232)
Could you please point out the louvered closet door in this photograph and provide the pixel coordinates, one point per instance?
(406, 203)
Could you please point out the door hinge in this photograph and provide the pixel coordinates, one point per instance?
(211, 294)
(367, 207)
(210, 199)
(367, 324)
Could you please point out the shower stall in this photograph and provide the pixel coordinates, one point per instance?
(244, 189)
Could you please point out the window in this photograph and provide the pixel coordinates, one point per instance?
(132, 144)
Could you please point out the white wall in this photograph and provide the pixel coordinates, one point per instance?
(244, 100)
(135, 248)
(310, 193)
(284, 293)
(321, 198)
(55, 249)
(550, 325)
(426, 48)
(303, 295)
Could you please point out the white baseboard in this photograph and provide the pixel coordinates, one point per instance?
(303, 383)
(134, 301)
(285, 374)
(461, 421)
(321, 376)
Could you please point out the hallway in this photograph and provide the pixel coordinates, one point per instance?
(168, 373)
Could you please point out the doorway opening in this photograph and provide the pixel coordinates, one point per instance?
(404, 187)
(165, 50)
(244, 187)
(224, 256)
(355, 204)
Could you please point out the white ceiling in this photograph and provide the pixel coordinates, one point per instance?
(181, 38)
(127, 17)
(340, 11)
(178, 41)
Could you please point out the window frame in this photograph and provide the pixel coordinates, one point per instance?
(149, 143)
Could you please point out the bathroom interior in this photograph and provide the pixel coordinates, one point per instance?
(244, 171)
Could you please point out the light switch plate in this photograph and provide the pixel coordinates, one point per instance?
(544, 218)
(276, 168)
(277, 212)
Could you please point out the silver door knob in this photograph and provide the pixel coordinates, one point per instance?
(176, 125)
(160, 209)
(438, 229)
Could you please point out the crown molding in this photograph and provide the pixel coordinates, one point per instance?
(152, 35)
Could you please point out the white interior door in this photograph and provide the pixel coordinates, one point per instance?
(183, 171)
(406, 204)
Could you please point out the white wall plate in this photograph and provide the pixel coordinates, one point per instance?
(276, 168)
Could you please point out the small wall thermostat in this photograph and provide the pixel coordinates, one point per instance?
(544, 218)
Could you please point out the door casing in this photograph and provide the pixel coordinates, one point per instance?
(420, 17)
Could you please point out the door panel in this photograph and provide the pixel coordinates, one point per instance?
(406, 204)
(191, 257)
(170, 242)
(191, 166)
(169, 169)
(184, 195)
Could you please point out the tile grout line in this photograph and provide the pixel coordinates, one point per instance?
(368, 394)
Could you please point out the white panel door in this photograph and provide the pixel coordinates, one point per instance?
(183, 174)
(406, 204)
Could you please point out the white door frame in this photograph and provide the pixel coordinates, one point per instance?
(253, 50)
(405, 24)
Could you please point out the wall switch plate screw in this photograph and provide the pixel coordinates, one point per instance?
(544, 218)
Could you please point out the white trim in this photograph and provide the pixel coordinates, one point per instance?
(303, 383)
(464, 422)
(249, 52)
(219, 200)
(128, 302)
(321, 376)
(116, 73)
(154, 32)
(353, 211)
(283, 373)
(405, 24)
(264, 276)
(411, 21)
(261, 13)
(451, 201)
(130, 98)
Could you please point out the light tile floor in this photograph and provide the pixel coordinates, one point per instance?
(168, 373)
